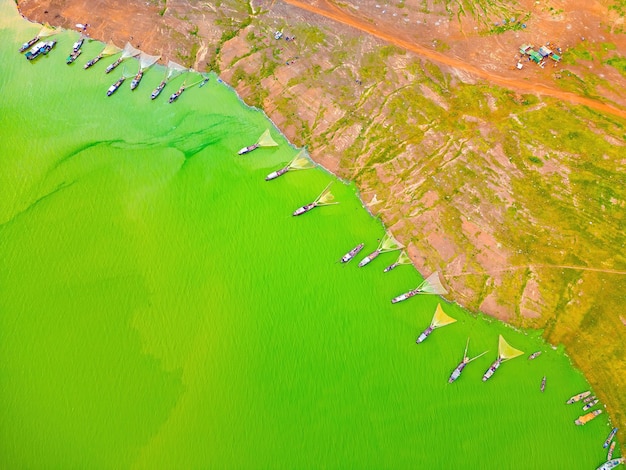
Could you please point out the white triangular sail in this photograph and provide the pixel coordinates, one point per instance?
(266, 140)
(506, 351)
(146, 60)
(441, 318)
(432, 285)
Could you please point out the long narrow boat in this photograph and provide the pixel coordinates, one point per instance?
(590, 405)
(29, 43)
(609, 438)
(176, 95)
(589, 398)
(113, 88)
(534, 355)
(543, 384)
(578, 397)
(406, 295)
(609, 455)
(73, 56)
(352, 253)
(113, 65)
(492, 369)
(368, 259)
(157, 91)
(274, 174)
(584, 419)
(92, 62)
(135, 83)
(304, 209)
(456, 373)
(608, 465)
(248, 149)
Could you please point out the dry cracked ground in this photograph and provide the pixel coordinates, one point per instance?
(510, 182)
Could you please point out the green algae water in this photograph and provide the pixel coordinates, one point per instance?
(161, 308)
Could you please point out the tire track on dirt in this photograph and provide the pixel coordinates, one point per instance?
(332, 12)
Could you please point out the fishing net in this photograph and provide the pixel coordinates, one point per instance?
(174, 70)
(146, 60)
(266, 140)
(403, 258)
(326, 197)
(46, 31)
(506, 351)
(110, 49)
(129, 51)
(300, 162)
(388, 243)
(441, 318)
(432, 285)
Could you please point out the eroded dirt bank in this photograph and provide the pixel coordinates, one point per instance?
(493, 175)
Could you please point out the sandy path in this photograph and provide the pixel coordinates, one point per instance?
(330, 11)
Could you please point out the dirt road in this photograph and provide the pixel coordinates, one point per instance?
(328, 10)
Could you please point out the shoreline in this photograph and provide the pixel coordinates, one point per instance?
(419, 266)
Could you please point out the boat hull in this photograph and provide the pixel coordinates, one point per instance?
(73, 56)
(111, 67)
(369, 258)
(609, 438)
(492, 370)
(135, 83)
(92, 62)
(275, 174)
(113, 88)
(352, 253)
(578, 397)
(425, 334)
(456, 373)
(303, 209)
(157, 91)
(247, 149)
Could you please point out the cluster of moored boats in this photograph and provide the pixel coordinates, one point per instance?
(610, 444)
(36, 47)
(589, 401)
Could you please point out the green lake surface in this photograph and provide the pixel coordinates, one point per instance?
(161, 308)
